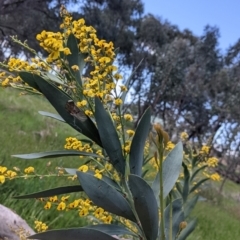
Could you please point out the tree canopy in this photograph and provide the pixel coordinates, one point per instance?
(187, 80)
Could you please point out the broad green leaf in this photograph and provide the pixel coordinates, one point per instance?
(72, 233)
(55, 154)
(104, 195)
(52, 192)
(75, 58)
(186, 231)
(177, 217)
(198, 184)
(145, 205)
(51, 115)
(189, 205)
(112, 229)
(53, 78)
(197, 171)
(138, 142)
(109, 137)
(29, 79)
(106, 179)
(171, 169)
(59, 99)
(186, 182)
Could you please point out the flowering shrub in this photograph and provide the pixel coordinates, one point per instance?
(113, 193)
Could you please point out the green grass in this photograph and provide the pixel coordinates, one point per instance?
(25, 131)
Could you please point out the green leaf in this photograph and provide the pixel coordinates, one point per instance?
(177, 217)
(189, 205)
(186, 231)
(179, 187)
(198, 184)
(145, 205)
(52, 192)
(29, 79)
(186, 182)
(53, 78)
(197, 171)
(106, 179)
(104, 195)
(138, 142)
(55, 154)
(109, 137)
(59, 99)
(144, 173)
(112, 229)
(51, 115)
(75, 58)
(171, 170)
(72, 233)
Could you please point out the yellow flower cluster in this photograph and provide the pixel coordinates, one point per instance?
(53, 44)
(40, 226)
(29, 170)
(205, 150)
(83, 206)
(215, 177)
(170, 146)
(212, 162)
(74, 143)
(184, 136)
(99, 53)
(5, 173)
(102, 215)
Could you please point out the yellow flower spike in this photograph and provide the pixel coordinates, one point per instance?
(83, 212)
(98, 175)
(215, 177)
(83, 168)
(212, 162)
(108, 166)
(64, 198)
(48, 205)
(128, 117)
(53, 199)
(2, 179)
(11, 174)
(75, 68)
(40, 226)
(108, 219)
(98, 212)
(123, 88)
(170, 146)
(89, 113)
(117, 76)
(184, 136)
(3, 169)
(130, 132)
(82, 103)
(61, 206)
(118, 101)
(205, 149)
(29, 170)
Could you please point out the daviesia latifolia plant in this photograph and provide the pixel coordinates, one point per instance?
(134, 184)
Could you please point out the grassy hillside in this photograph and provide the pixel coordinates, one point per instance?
(23, 130)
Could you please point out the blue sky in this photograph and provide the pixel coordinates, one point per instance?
(196, 14)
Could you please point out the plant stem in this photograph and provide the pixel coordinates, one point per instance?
(131, 202)
(160, 151)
